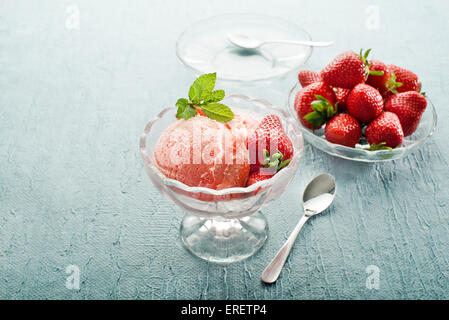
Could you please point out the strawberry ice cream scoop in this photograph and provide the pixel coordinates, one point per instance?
(201, 152)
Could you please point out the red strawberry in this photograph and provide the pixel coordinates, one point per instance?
(268, 169)
(307, 77)
(409, 107)
(403, 80)
(347, 70)
(379, 75)
(269, 145)
(343, 129)
(365, 103)
(304, 99)
(342, 96)
(384, 132)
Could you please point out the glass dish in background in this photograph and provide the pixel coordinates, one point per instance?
(205, 47)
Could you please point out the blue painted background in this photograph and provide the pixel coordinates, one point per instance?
(73, 189)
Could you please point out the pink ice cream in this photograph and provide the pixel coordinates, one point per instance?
(202, 152)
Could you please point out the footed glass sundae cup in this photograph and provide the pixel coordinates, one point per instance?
(223, 226)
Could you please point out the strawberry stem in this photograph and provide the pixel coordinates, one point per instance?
(392, 85)
(364, 58)
(376, 73)
(284, 164)
(275, 161)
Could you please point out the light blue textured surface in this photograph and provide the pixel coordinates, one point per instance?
(73, 189)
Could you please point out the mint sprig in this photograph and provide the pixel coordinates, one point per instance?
(203, 96)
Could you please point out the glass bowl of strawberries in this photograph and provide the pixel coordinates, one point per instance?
(361, 109)
(221, 163)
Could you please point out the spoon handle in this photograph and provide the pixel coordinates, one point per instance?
(304, 43)
(273, 270)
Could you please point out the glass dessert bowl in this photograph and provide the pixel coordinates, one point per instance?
(316, 138)
(223, 226)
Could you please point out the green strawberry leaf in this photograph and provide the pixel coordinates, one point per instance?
(322, 112)
(376, 73)
(392, 85)
(185, 110)
(274, 161)
(380, 146)
(364, 58)
(218, 112)
(284, 164)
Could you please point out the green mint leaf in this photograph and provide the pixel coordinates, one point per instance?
(195, 93)
(218, 112)
(185, 110)
(182, 103)
(207, 81)
(215, 96)
(202, 87)
(188, 113)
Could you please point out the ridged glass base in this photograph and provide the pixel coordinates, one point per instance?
(223, 240)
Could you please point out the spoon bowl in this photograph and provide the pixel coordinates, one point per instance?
(319, 194)
(243, 41)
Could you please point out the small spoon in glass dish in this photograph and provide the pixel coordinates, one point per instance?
(247, 42)
(318, 196)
